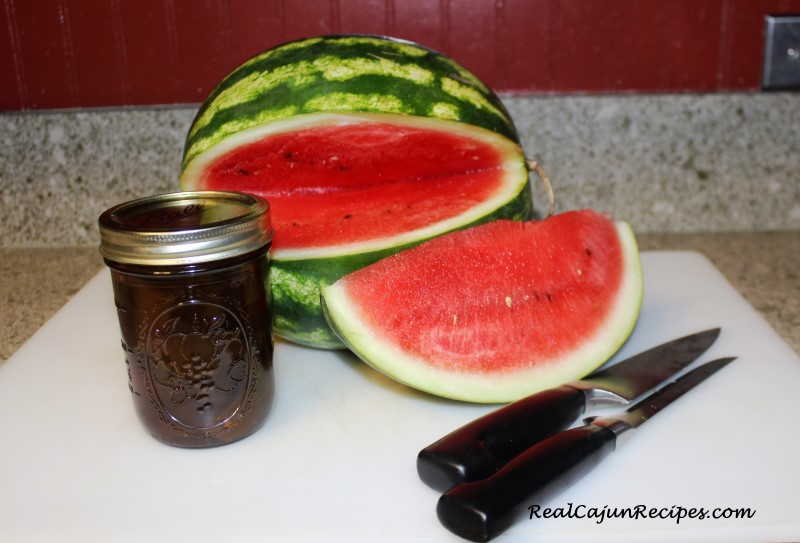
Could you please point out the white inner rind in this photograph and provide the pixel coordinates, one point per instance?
(513, 164)
(500, 387)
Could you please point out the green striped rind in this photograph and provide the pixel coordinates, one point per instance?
(345, 74)
(296, 284)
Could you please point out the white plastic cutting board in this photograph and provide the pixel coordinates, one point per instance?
(336, 460)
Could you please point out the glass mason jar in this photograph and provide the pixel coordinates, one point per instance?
(190, 278)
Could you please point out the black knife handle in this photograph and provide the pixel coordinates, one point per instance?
(480, 448)
(481, 510)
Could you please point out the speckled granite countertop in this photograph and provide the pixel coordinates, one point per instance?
(716, 173)
(762, 266)
(668, 163)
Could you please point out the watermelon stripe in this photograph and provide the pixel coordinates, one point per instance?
(346, 76)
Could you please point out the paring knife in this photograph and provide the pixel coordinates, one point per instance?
(480, 448)
(481, 510)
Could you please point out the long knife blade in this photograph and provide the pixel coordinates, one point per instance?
(481, 510)
(659, 399)
(481, 447)
(638, 374)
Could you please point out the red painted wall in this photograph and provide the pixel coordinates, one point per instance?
(100, 53)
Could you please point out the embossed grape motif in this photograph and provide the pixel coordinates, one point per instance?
(198, 363)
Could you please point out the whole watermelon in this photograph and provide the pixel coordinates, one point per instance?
(363, 146)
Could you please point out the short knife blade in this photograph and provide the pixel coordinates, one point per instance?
(481, 447)
(659, 399)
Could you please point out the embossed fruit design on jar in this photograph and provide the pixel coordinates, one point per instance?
(190, 278)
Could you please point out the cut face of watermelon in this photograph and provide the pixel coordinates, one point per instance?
(498, 311)
(344, 184)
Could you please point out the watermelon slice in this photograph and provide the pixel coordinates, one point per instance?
(498, 311)
(363, 146)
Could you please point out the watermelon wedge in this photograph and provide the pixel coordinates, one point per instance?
(363, 146)
(495, 312)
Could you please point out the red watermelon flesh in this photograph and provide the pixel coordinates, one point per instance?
(497, 311)
(338, 182)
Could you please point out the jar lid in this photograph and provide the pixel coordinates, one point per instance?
(184, 228)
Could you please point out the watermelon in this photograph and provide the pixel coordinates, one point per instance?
(498, 311)
(364, 146)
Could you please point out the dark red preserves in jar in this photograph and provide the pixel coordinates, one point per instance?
(190, 278)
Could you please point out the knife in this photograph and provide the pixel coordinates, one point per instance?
(480, 448)
(481, 510)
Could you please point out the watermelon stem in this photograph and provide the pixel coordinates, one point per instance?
(534, 166)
